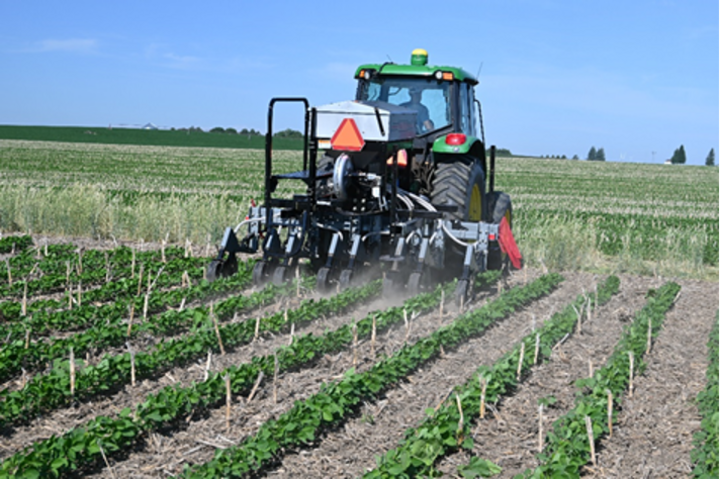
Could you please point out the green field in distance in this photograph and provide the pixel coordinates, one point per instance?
(568, 215)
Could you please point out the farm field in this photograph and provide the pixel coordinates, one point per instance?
(604, 217)
(119, 360)
(86, 390)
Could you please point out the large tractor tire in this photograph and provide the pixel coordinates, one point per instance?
(500, 206)
(460, 183)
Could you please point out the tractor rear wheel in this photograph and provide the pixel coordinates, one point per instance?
(460, 183)
(501, 207)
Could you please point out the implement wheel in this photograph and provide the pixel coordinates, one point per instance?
(214, 270)
(280, 275)
(259, 273)
(323, 279)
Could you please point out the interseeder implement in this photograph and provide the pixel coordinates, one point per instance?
(396, 181)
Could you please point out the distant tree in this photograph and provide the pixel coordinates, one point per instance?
(288, 133)
(218, 129)
(592, 154)
(231, 131)
(564, 157)
(678, 157)
(575, 157)
(710, 160)
(600, 156)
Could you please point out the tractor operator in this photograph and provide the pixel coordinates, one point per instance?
(424, 123)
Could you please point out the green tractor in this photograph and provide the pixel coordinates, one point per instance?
(402, 182)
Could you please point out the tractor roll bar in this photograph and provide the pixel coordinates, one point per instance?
(310, 124)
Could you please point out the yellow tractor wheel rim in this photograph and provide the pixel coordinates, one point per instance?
(475, 213)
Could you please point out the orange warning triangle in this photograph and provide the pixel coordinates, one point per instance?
(347, 137)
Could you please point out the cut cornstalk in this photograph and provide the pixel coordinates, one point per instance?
(145, 306)
(132, 315)
(276, 369)
(591, 439)
(520, 362)
(207, 365)
(537, 347)
(132, 364)
(578, 328)
(257, 328)
(228, 402)
(407, 325)
(483, 388)
(72, 372)
(260, 377)
(632, 364)
(609, 409)
(541, 434)
(649, 337)
(102, 451)
(217, 330)
(24, 300)
(373, 336)
(461, 422)
(7, 262)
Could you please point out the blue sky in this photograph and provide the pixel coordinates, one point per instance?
(632, 77)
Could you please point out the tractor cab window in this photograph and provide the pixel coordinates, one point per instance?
(430, 98)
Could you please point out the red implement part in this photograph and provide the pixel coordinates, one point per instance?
(508, 245)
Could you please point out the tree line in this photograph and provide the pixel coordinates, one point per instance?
(679, 157)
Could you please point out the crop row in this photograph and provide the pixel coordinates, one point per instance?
(110, 289)
(568, 445)
(106, 322)
(302, 424)
(54, 260)
(80, 447)
(446, 430)
(705, 454)
(54, 389)
(15, 243)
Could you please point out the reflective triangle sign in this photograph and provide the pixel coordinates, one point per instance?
(347, 137)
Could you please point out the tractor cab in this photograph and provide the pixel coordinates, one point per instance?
(443, 97)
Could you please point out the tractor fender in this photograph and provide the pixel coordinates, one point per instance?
(472, 146)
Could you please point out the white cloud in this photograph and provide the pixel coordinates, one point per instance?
(70, 45)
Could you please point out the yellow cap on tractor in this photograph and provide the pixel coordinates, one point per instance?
(419, 57)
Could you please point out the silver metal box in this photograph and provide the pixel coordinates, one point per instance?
(398, 123)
